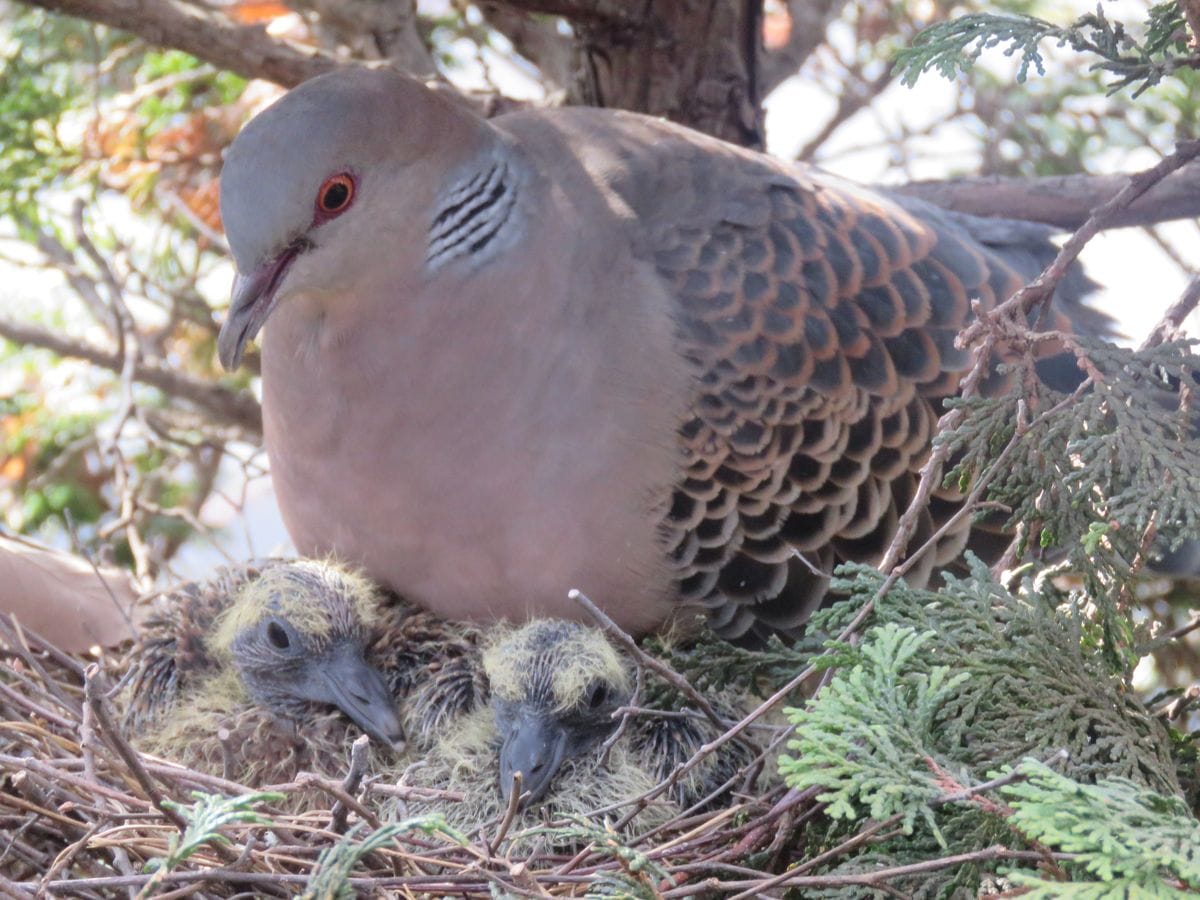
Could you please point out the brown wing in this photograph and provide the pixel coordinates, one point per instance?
(823, 340)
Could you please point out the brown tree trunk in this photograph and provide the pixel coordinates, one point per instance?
(691, 61)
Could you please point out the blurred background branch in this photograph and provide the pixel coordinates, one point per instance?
(246, 49)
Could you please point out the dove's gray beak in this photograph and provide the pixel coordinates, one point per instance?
(536, 747)
(252, 302)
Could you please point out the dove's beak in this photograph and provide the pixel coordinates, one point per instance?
(252, 302)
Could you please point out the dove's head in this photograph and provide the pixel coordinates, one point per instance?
(555, 687)
(297, 637)
(311, 183)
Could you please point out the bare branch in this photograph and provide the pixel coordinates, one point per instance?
(597, 12)
(1139, 185)
(1063, 200)
(849, 104)
(537, 40)
(877, 878)
(57, 254)
(351, 783)
(1173, 318)
(248, 51)
(340, 795)
(660, 668)
(222, 404)
(95, 699)
(373, 30)
(810, 20)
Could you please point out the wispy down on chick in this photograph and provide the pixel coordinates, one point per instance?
(555, 686)
(257, 671)
(556, 692)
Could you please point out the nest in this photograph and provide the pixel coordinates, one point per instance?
(82, 812)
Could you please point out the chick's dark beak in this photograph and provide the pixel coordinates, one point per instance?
(347, 681)
(535, 747)
(252, 300)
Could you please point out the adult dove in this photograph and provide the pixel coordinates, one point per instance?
(588, 348)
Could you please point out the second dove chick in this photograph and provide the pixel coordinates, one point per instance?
(553, 689)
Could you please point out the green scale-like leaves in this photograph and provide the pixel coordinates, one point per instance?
(948, 686)
(955, 45)
(1129, 841)
(868, 734)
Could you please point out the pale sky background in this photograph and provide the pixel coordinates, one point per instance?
(1140, 280)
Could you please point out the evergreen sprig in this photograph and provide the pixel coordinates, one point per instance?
(866, 738)
(205, 819)
(1119, 460)
(331, 877)
(1129, 841)
(1037, 685)
(954, 46)
(945, 686)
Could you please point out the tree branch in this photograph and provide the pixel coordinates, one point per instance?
(372, 30)
(1063, 200)
(850, 103)
(535, 39)
(596, 12)
(1139, 185)
(248, 51)
(810, 21)
(224, 405)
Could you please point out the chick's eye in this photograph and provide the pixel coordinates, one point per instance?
(278, 636)
(335, 195)
(597, 696)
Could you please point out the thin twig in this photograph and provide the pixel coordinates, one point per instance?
(660, 668)
(82, 550)
(626, 713)
(336, 791)
(876, 878)
(1040, 289)
(515, 796)
(351, 783)
(1172, 319)
(238, 409)
(95, 699)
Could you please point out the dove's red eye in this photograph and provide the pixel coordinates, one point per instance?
(335, 195)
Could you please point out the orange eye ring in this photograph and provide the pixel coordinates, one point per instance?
(335, 195)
